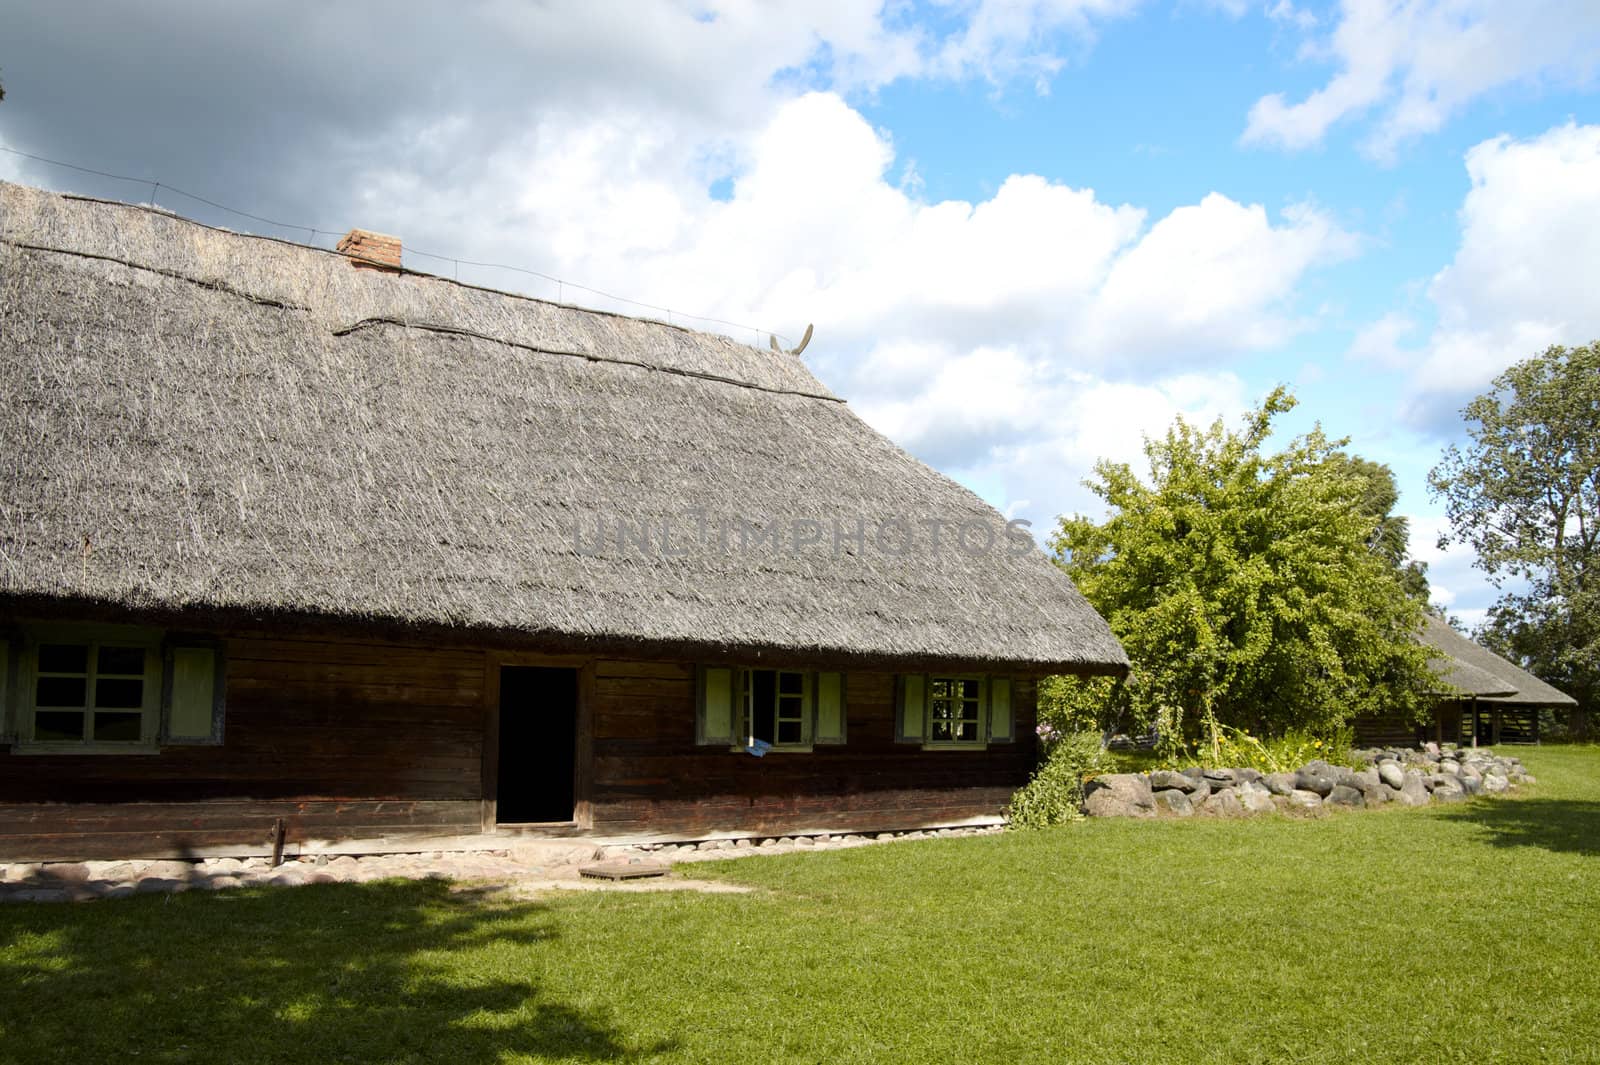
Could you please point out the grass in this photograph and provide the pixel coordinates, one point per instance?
(1456, 933)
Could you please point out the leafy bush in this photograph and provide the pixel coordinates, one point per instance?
(1082, 704)
(1223, 747)
(1055, 794)
(1249, 586)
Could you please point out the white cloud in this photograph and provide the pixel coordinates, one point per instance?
(1526, 271)
(1453, 582)
(1381, 342)
(1216, 275)
(1004, 39)
(1417, 62)
(1285, 12)
(817, 230)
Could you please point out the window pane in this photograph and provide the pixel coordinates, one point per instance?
(119, 693)
(969, 689)
(790, 683)
(121, 660)
(941, 710)
(788, 732)
(117, 727)
(58, 725)
(63, 658)
(969, 730)
(60, 691)
(941, 731)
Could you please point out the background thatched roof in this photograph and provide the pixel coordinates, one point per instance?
(1469, 668)
(244, 424)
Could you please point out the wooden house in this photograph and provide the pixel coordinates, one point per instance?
(1483, 699)
(301, 540)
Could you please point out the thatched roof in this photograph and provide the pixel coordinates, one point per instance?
(1471, 669)
(236, 423)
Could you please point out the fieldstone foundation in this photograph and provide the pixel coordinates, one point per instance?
(1390, 775)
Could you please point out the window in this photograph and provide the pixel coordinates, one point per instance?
(955, 704)
(108, 688)
(775, 707)
(953, 710)
(757, 710)
(96, 692)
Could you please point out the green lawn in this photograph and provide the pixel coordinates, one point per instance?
(1453, 934)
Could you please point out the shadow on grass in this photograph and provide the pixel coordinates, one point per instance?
(391, 972)
(1568, 826)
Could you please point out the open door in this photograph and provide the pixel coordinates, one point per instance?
(538, 744)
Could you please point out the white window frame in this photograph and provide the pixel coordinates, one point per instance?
(744, 708)
(92, 637)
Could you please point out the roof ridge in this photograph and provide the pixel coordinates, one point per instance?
(453, 330)
(163, 212)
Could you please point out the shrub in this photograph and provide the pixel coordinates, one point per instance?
(1222, 747)
(1082, 704)
(1055, 794)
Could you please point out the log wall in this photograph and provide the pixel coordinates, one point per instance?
(651, 778)
(352, 739)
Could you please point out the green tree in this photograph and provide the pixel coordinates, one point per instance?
(1391, 533)
(1525, 496)
(1243, 584)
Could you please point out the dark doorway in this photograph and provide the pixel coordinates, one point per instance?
(538, 744)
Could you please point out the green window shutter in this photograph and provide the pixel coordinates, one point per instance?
(808, 715)
(830, 708)
(192, 690)
(913, 707)
(1000, 728)
(714, 714)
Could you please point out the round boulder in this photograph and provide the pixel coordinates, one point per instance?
(1412, 790)
(1301, 799)
(1119, 795)
(1174, 802)
(1317, 776)
(1342, 795)
(1279, 783)
(1255, 798)
(1163, 779)
(1223, 802)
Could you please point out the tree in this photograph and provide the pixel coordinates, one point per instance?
(1243, 585)
(1525, 495)
(1391, 533)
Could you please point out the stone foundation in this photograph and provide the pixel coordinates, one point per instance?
(1407, 777)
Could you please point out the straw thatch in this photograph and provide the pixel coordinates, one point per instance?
(197, 419)
(1470, 669)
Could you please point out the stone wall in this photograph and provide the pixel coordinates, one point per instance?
(1408, 777)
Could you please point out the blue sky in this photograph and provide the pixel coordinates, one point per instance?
(1028, 231)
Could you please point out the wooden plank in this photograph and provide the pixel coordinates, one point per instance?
(625, 869)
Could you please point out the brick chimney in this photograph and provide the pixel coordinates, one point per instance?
(371, 251)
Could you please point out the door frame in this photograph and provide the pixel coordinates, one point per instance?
(583, 752)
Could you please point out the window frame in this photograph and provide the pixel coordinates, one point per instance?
(92, 637)
(723, 694)
(980, 721)
(914, 693)
(744, 729)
